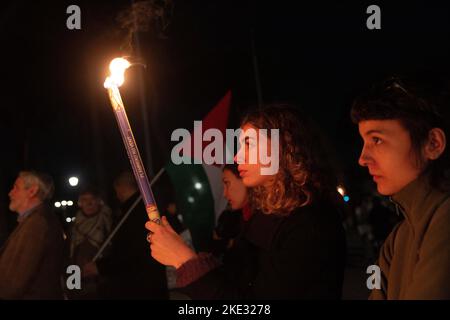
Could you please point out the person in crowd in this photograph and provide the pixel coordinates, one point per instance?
(91, 227)
(293, 246)
(130, 271)
(231, 221)
(405, 151)
(31, 259)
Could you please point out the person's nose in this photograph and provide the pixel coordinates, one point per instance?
(365, 157)
(239, 157)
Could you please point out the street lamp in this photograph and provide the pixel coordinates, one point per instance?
(73, 181)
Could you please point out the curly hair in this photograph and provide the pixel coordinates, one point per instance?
(304, 173)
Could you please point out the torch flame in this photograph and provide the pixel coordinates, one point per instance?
(117, 68)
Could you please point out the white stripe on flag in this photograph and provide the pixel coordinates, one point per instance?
(214, 175)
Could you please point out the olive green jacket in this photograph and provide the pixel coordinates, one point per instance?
(415, 258)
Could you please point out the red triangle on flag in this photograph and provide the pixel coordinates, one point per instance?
(217, 118)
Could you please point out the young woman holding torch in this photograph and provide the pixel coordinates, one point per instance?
(293, 246)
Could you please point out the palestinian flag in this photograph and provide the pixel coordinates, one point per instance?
(198, 187)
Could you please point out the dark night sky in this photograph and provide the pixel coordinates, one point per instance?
(56, 116)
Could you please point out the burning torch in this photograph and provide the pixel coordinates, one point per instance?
(112, 84)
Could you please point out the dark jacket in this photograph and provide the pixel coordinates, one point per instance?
(299, 256)
(130, 270)
(31, 260)
(415, 258)
(229, 226)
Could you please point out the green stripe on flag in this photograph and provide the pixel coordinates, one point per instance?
(194, 201)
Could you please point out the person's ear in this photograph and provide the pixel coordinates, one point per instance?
(33, 190)
(436, 144)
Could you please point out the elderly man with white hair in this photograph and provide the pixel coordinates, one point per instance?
(32, 257)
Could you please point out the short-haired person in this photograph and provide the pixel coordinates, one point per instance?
(405, 150)
(31, 259)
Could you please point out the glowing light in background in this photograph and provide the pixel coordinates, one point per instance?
(341, 190)
(73, 181)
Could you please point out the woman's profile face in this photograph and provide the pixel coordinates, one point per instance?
(387, 153)
(234, 190)
(249, 159)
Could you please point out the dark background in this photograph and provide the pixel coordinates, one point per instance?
(56, 117)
